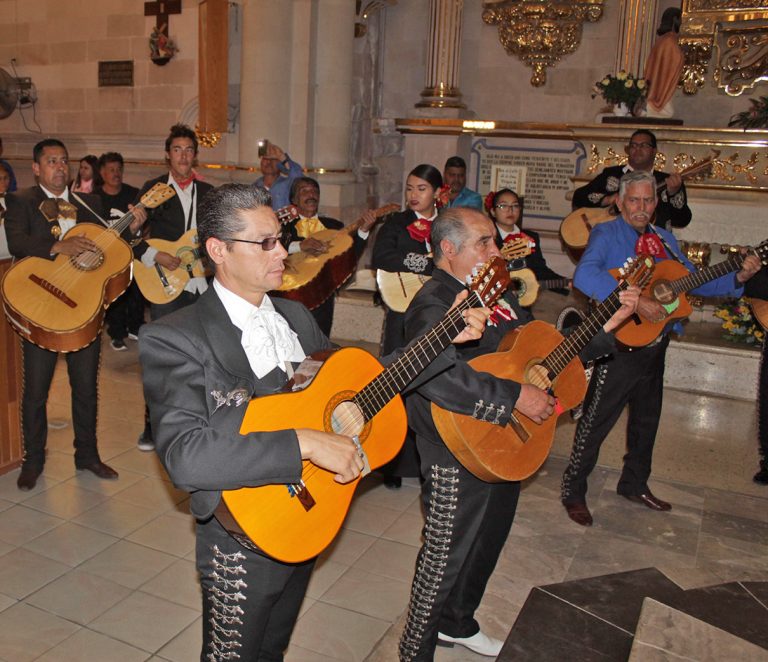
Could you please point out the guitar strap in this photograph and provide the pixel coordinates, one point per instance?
(88, 207)
(670, 251)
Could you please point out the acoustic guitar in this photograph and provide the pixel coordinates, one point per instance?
(537, 354)
(161, 285)
(311, 279)
(668, 286)
(759, 310)
(59, 304)
(576, 227)
(526, 287)
(351, 394)
(397, 288)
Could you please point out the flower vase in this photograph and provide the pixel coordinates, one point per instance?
(621, 109)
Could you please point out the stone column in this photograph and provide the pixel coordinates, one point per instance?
(637, 31)
(331, 85)
(264, 78)
(441, 83)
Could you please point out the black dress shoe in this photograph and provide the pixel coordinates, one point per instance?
(28, 478)
(579, 513)
(99, 469)
(649, 501)
(761, 477)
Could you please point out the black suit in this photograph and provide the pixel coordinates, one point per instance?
(29, 234)
(670, 211)
(323, 313)
(185, 357)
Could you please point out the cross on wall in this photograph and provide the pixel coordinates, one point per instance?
(162, 10)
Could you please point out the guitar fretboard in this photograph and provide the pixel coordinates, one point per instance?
(697, 278)
(373, 397)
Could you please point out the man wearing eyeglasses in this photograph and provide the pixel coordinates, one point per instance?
(36, 225)
(201, 365)
(603, 191)
(170, 221)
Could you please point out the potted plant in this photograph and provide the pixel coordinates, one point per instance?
(623, 91)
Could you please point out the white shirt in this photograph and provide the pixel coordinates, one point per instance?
(267, 340)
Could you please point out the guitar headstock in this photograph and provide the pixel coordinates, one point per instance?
(761, 251)
(517, 249)
(489, 281)
(287, 214)
(157, 195)
(637, 270)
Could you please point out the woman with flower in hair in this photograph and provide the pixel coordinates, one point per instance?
(505, 207)
(402, 245)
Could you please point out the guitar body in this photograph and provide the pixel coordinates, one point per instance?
(311, 279)
(638, 331)
(398, 288)
(59, 304)
(278, 523)
(525, 286)
(151, 282)
(576, 227)
(759, 310)
(494, 453)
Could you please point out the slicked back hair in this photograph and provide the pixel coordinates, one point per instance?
(449, 225)
(37, 150)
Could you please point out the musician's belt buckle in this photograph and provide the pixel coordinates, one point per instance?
(366, 464)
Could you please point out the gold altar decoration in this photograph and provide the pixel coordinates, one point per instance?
(207, 138)
(541, 32)
(737, 30)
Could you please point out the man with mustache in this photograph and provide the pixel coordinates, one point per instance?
(305, 195)
(672, 206)
(633, 377)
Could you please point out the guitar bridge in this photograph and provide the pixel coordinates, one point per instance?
(300, 491)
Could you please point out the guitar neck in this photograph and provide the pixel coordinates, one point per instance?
(578, 339)
(702, 276)
(554, 283)
(126, 219)
(373, 397)
(378, 213)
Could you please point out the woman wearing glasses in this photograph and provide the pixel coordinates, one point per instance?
(505, 207)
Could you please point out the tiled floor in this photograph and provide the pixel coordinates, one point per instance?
(99, 570)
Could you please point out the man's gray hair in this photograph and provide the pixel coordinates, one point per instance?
(636, 177)
(449, 225)
(218, 217)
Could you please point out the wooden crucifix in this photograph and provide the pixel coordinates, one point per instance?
(162, 47)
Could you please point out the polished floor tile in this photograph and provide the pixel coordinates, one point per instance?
(27, 632)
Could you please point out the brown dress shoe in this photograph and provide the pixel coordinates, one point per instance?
(100, 469)
(579, 513)
(28, 478)
(649, 501)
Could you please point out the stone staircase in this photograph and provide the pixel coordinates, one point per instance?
(640, 615)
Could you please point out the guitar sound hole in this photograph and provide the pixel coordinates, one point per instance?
(347, 419)
(87, 260)
(663, 292)
(537, 376)
(517, 285)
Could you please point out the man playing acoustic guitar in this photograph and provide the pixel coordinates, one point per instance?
(201, 366)
(633, 377)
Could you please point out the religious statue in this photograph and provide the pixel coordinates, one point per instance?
(664, 66)
(161, 47)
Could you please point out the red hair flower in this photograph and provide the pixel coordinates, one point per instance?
(488, 203)
(443, 196)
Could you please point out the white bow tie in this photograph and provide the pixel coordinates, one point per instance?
(269, 342)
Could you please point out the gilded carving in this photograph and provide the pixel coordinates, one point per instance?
(541, 32)
(743, 57)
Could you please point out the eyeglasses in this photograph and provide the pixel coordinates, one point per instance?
(266, 244)
(640, 146)
(507, 205)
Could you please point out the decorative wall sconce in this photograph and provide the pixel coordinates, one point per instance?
(541, 32)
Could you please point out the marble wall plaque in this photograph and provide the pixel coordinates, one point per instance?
(546, 167)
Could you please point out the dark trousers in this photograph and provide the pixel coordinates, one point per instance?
(250, 602)
(467, 524)
(126, 314)
(762, 407)
(156, 311)
(83, 371)
(323, 314)
(634, 379)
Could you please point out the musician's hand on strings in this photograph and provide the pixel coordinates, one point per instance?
(73, 246)
(475, 319)
(139, 218)
(609, 200)
(674, 183)
(313, 246)
(629, 299)
(168, 261)
(651, 309)
(367, 220)
(333, 452)
(749, 268)
(534, 403)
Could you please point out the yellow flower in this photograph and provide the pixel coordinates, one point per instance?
(622, 75)
(629, 83)
(641, 84)
(605, 81)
